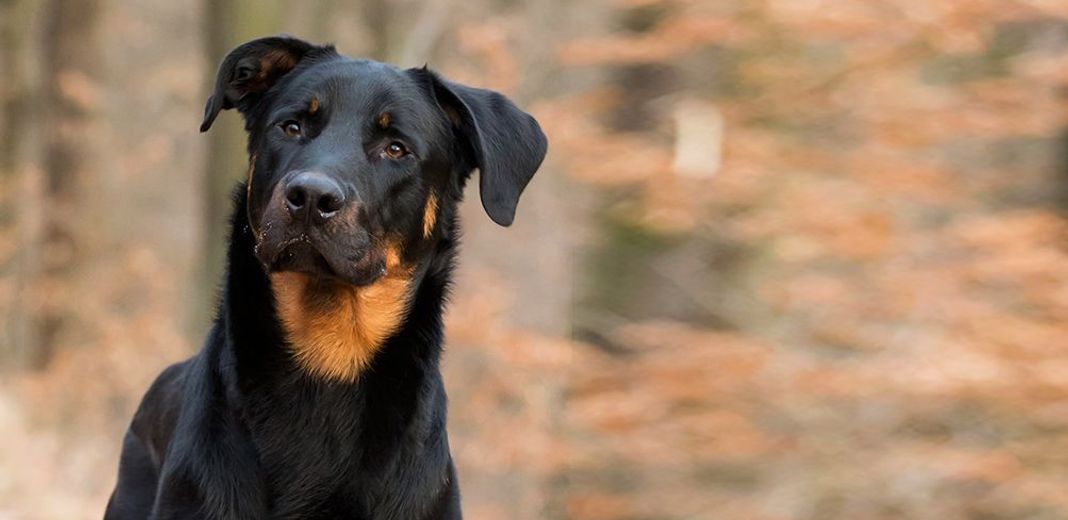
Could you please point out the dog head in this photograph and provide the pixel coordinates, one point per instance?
(354, 163)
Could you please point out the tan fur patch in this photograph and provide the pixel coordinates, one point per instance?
(384, 120)
(453, 116)
(279, 59)
(251, 167)
(430, 214)
(273, 64)
(248, 188)
(313, 106)
(336, 329)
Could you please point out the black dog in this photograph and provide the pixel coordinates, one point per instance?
(317, 393)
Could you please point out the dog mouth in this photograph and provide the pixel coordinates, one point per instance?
(300, 256)
(358, 266)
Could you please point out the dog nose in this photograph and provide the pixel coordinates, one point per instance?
(313, 196)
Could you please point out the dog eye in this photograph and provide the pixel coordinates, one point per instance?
(290, 128)
(395, 150)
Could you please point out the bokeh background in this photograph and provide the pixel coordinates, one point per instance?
(787, 259)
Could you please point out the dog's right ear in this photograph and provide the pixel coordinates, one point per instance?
(252, 68)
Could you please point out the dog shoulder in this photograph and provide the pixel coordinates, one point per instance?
(156, 417)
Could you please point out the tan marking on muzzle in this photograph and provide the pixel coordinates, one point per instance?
(335, 330)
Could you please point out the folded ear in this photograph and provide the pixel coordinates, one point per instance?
(252, 68)
(507, 143)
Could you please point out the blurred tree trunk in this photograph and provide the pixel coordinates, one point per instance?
(537, 268)
(423, 34)
(376, 17)
(19, 211)
(228, 23)
(315, 22)
(71, 61)
(405, 33)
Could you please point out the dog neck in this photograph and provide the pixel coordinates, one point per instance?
(331, 331)
(334, 329)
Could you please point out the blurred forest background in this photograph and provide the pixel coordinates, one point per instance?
(788, 259)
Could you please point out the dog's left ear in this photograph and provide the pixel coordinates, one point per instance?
(251, 69)
(507, 143)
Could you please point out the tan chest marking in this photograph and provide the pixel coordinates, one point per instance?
(334, 329)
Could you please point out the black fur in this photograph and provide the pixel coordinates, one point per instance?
(241, 430)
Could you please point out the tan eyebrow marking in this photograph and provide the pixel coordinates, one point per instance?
(313, 106)
(384, 120)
